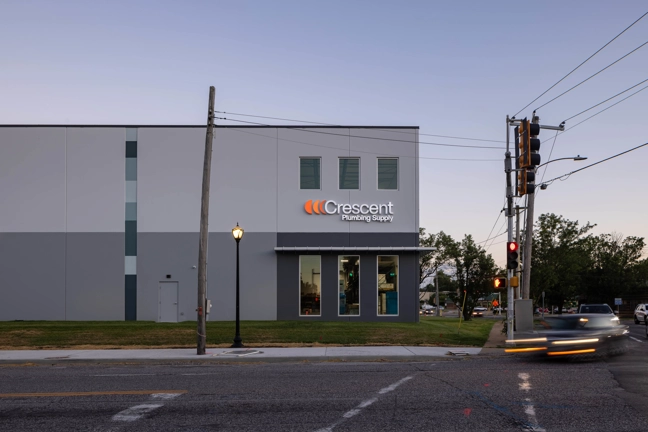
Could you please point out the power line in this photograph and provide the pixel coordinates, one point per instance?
(595, 163)
(591, 76)
(499, 215)
(603, 110)
(606, 100)
(367, 152)
(364, 137)
(549, 158)
(387, 130)
(586, 60)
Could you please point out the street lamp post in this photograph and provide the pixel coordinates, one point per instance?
(237, 232)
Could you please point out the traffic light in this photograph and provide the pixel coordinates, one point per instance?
(499, 283)
(526, 181)
(512, 255)
(529, 144)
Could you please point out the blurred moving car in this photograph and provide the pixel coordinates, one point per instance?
(574, 335)
(595, 308)
(640, 313)
(479, 311)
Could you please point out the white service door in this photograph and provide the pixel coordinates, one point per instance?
(168, 302)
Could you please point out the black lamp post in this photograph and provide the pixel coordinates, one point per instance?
(237, 232)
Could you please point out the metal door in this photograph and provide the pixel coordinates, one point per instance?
(168, 302)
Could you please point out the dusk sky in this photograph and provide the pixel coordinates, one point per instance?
(451, 68)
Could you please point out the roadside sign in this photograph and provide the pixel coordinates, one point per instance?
(618, 302)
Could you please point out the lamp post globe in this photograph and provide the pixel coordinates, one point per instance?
(237, 233)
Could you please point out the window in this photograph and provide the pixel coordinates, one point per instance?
(310, 291)
(387, 173)
(309, 173)
(349, 285)
(349, 172)
(387, 285)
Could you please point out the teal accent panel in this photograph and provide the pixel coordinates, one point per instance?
(131, 238)
(131, 149)
(131, 211)
(131, 169)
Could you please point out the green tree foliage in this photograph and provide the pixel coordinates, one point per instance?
(560, 254)
(431, 262)
(474, 272)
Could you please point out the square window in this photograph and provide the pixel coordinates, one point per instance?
(309, 173)
(349, 172)
(388, 173)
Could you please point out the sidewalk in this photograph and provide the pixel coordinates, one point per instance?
(359, 353)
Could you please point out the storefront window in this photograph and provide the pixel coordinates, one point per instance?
(387, 285)
(309, 285)
(349, 285)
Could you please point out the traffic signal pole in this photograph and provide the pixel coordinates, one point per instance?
(509, 215)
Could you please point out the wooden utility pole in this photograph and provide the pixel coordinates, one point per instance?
(204, 227)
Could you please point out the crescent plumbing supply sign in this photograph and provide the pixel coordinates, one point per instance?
(351, 212)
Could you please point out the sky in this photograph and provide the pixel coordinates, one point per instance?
(454, 68)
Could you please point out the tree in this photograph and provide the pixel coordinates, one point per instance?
(474, 271)
(431, 262)
(612, 267)
(561, 252)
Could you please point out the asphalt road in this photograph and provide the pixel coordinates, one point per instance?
(498, 393)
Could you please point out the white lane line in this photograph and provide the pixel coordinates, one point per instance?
(634, 338)
(529, 409)
(364, 404)
(135, 413)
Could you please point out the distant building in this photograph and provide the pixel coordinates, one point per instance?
(101, 222)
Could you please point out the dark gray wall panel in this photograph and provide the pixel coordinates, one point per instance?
(174, 254)
(95, 276)
(32, 276)
(162, 254)
(288, 289)
(347, 239)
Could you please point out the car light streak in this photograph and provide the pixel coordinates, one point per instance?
(543, 339)
(574, 341)
(515, 350)
(585, 351)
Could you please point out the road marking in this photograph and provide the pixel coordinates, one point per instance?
(529, 409)
(364, 404)
(165, 396)
(120, 375)
(136, 412)
(634, 338)
(92, 393)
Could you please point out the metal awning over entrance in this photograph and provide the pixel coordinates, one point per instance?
(353, 249)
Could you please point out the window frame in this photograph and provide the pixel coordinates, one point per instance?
(397, 286)
(299, 305)
(339, 260)
(359, 172)
(378, 159)
(299, 176)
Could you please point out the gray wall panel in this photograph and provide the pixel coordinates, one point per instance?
(32, 276)
(95, 276)
(162, 254)
(32, 190)
(258, 276)
(174, 254)
(95, 174)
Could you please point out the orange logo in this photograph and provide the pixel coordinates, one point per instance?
(316, 207)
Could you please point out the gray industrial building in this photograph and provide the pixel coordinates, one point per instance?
(101, 222)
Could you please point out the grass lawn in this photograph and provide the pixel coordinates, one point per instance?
(431, 331)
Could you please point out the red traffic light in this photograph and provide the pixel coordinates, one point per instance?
(512, 246)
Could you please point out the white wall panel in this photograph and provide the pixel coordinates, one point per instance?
(169, 179)
(32, 179)
(95, 179)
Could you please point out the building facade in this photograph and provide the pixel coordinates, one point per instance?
(102, 222)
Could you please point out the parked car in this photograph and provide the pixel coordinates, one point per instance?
(479, 311)
(595, 308)
(640, 314)
(574, 335)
